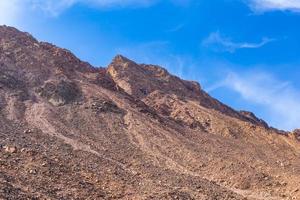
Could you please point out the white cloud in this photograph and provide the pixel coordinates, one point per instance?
(220, 43)
(271, 5)
(279, 98)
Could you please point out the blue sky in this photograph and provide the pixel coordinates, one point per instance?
(243, 52)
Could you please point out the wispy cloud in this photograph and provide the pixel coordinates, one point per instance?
(176, 28)
(144, 52)
(159, 53)
(218, 42)
(55, 7)
(12, 11)
(272, 5)
(279, 98)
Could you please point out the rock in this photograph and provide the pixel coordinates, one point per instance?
(32, 171)
(28, 131)
(138, 135)
(252, 118)
(105, 106)
(10, 81)
(60, 93)
(10, 149)
(297, 134)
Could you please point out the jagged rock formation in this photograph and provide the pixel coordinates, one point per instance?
(129, 131)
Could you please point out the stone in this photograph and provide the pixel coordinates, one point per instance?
(28, 131)
(10, 149)
(32, 171)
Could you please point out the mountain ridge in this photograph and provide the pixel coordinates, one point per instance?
(189, 87)
(69, 130)
(119, 58)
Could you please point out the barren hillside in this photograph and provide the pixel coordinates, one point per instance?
(69, 130)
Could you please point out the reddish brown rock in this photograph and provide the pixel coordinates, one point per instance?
(128, 131)
(297, 134)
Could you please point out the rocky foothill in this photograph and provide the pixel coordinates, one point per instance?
(69, 130)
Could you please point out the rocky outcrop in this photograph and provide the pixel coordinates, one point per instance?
(60, 93)
(297, 134)
(251, 117)
(141, 80)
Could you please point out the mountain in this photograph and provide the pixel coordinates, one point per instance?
(69, 130)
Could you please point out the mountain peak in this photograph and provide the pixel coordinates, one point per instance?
(146, 81)
(20, 51)
(120, 59)
(141, 79)
(152, 134)
(11, 33)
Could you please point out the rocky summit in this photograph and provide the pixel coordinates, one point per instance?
(69, 130)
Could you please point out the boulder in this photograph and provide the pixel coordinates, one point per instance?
(10, 149)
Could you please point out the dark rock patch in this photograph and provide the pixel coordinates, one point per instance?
(61, 93)
(297, 134)
(9, 81)
(253, 119)
(104, 106)
(104, 80)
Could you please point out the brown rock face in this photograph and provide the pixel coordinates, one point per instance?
(141, 80)
(297, 134)
(181, 100)
(128, 131)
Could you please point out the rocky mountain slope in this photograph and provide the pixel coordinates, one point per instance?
(69, 130)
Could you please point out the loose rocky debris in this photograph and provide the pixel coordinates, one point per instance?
(60, 93)
(129, 131)
(9, 81)
(179, 195)
(104, 106)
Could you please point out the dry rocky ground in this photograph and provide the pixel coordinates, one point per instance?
(128, 131)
